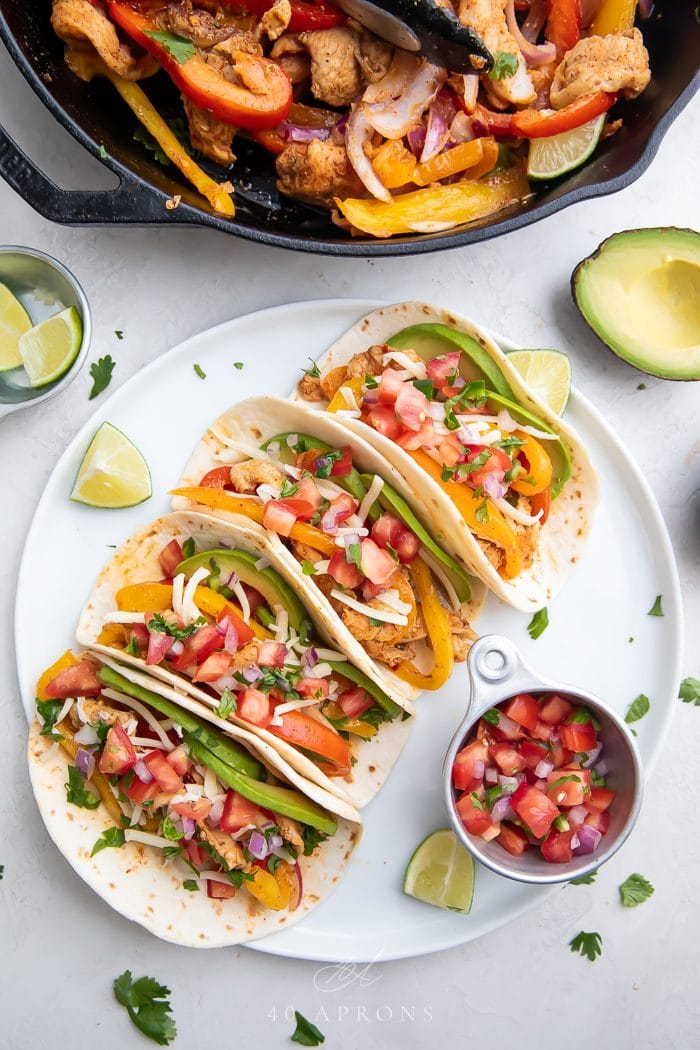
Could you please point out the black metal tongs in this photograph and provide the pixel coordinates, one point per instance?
(424, 28)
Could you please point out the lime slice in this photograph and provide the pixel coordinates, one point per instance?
(547, 373)
(113, 472)
(441, 872)
(50, 348)
(14, 321)
(558, 154)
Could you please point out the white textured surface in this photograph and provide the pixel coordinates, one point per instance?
(61, 946)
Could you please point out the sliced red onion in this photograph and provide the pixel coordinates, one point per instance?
(215, 813)
(176, 648)
(436, 134)
(342, 124)
(309, 658)
(501, 810)
(602, 769)
(543, 768)
(252, 674)
(494, 485)
(461, 130)
(592, 757)
(188, 827)
(85, 762)
(479, 768)
(534, 54)
(509, 784)
(416, 141)
(491, 775)
(257, 846)
(535, 20)
(395, 118)
(142, 771)
(297, 133)
(577, 815)
(158, 645)
(588, 839)
(358, 134)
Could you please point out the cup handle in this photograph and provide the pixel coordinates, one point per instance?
(496, 671)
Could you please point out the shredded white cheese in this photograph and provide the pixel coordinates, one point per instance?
(281, 625)
(371, 497)
(416, 368)
(392, 599)
(132, 835)
(178, 592)
(293, 705)
(125, 617)
(437, 570)
(240, 593)
(190, 611)
(517, 515)
(322, 566)
(372, 613)
(262, 563)
(348, 395)
(349, 413)
(144, 712)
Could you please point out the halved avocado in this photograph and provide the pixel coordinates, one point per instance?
(431, 340)
(268, 581)
(640, 293)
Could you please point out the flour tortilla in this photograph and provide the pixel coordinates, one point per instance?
(563, 537)
(238, 434)
(137, 561)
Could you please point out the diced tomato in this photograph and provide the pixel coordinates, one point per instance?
(118, 755)
(571, 792)
(377, 564)
(254, 706)
(302, 509)
(508, 759)
(451, 450)
(220, 891)
(579, 737)
(560, 756)
(412, 407)
(342, 467)
(213, 668)
(542, 731)
(166, 777)
(599, 800)
(383, 419)
(158, 645)
(440, 369)
(339, 511)
(138, 792)
(197, 855)
(239, 811)
(205, 641)
(277, 518)
(185, 661)
(524, 710)
(555, 710)
(599, 821)
(218, 478)
(415, 439)
(179, 759)
(484, 734)
(197, 809)
(534, 808)
(533, 753)
(170, 558)
(316, 687)
(390, 531)
(475, 816)
(309, 492)
(271, 653)
(469, 764)
(355, 702)
(344, 572)
(407, 547)
(506, 729)
(498, 462)
(556, 848)
(513, 839)
(77, 680)
(390, 384)
(140, 633)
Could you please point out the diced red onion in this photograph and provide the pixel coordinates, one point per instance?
(534, 54)
(543, 768)
(309, 658)
(214, 818)
(602, 769)
(297, 133)
(359, 133)
(252, 674)
(577, 815)
(535, 20)
(267, 825)
(479, 768)
(592, 756)
(416, 140)
(494, 485)
(491, 775)
(436, 134)
(176, 648)
(509, 784)
(188, 827)
(231, 639)
(142, 771)
(85, 762)
(257, 846)
(501, 810)
(574, 841)
(158, 645)
(588, 839)
(541, 785)
(331, 518)
(86, 735)
(274, 842)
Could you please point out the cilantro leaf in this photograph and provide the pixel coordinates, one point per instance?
(656, 609)
(191, 884)
(637, 709)
(314, 371)
(306, 1033)
(288, 488)
(312, 838)
(147, 1005)
(476, 800)
(188, 548)
(371, 383)
(112, 837)
(163, 626)
(103, 152)
(587, 944)
(77, 793)
(149, 143)
(169, 831)
(101, 372)
(584, 880)
(505, 65)
(538, 624)
(307, 567)
(635, 890)
(689, 691)
(228, 704)
(426, 386)
(2, 871)
(200, 371)
(491, 716)
(49, 711)
(355, 552)
(238, 365)
(117, 331)
(179, 47)
(482, 512)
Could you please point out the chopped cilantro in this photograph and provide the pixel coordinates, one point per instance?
(587, 944)
(238, 365)
(371, 383)
(147, 1005)
(119, 334)
(77, 793)
(149, 143)
(169, 831)
(49, 711)
(482, 512)
(637, 709)
(505, 65)
(111, 838)
(656, 609)
(355, 552)
(313, 370)
(163, 626)
(538, 624)
(288, 488)
(584, 880)
(133, 647)
(635, 890)
(476, 800)
(306, 1033)
(103, 152)
(491, 716)
(426, 386)
(188, 548)
(689, 691)
(179, 47)
(312, 838)
(307, 567)
(200, 371)
(101, 372)
(191, 884)
(228, 704)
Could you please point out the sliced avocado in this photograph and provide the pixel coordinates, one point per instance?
(640, 293)
(268, 581)
(390, 500)
(271, 796)
(305, 442)
(359, 678)
(431, 340)
(228, 751)
(556, 450)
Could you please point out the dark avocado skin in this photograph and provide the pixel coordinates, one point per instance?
(575, 280)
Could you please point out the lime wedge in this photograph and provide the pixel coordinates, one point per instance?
(547, 373)
(50, 348)
(441, 872)
(558, 154)
(113, 472)
(14, 322)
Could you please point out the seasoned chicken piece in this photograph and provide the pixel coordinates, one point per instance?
(368, 363)
(203, 28)
(391, 655)
(374, 55)
(245, 477)
(617, 62)
(528, 535)
(98, 711)
(246, 656)
(290, 830)
(231, 852)
(488, 19)
(81, 21)
(209, 135)
(332, 381)
(309, 388)
(336, 76)
(292, 56)
(492, 552)
(275, 20)
(386, 633)
(317, 173)
(462, 633)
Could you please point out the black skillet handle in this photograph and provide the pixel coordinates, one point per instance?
(130, 202)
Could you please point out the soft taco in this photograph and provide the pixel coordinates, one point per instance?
(201, 605)
(511, 483)
(353, 535)
(188, 825)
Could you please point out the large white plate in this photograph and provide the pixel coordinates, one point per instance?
(600, 636)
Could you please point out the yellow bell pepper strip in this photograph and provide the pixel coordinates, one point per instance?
(158, 597)
(272, 892)
(450, 162)
(539, 476)
(435, 208)
(439, 633)
(219, 499)
(66, 660)
(489, 158)
(98, 779)
(495, 529)
(115, 635)
(338, 402)
(614, 16)
(335, 712)
(394, 164)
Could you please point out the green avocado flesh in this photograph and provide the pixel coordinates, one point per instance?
(304, 443)
(267, 581)
(272, 796)
(432, 340)
(237, 757)
(640, 293)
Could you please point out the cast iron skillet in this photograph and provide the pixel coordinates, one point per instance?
(97, 118)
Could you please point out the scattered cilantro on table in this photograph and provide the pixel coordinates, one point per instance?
(147, 1005)
(689, 691)
(587, 944)
(200, 371)
(538, 624)
(635, 890)
(101, 372)
(584, 880)
(637, 709)
(238, 365)
(306, 1033)
(119, 334)
(656, 609)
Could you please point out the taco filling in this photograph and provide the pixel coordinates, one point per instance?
(394, 588)
(178, 786)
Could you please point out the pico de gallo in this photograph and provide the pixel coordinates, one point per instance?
(174, 783)
(531, 777)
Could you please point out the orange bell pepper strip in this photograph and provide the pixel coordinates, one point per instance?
(271, 891)
(394, 164)
(450, 162)
(338, 403)
(537, 124)
(539, 476)
(219, 499)
(495, 529)
(439, 632)
(305, 732)
(614, 16)
(158, 597)
(261, 101)
(66, 660)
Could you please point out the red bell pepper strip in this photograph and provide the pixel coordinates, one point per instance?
(488, 122)
(305, 16)
(536, 124)
(563, 27)
(264, 105)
